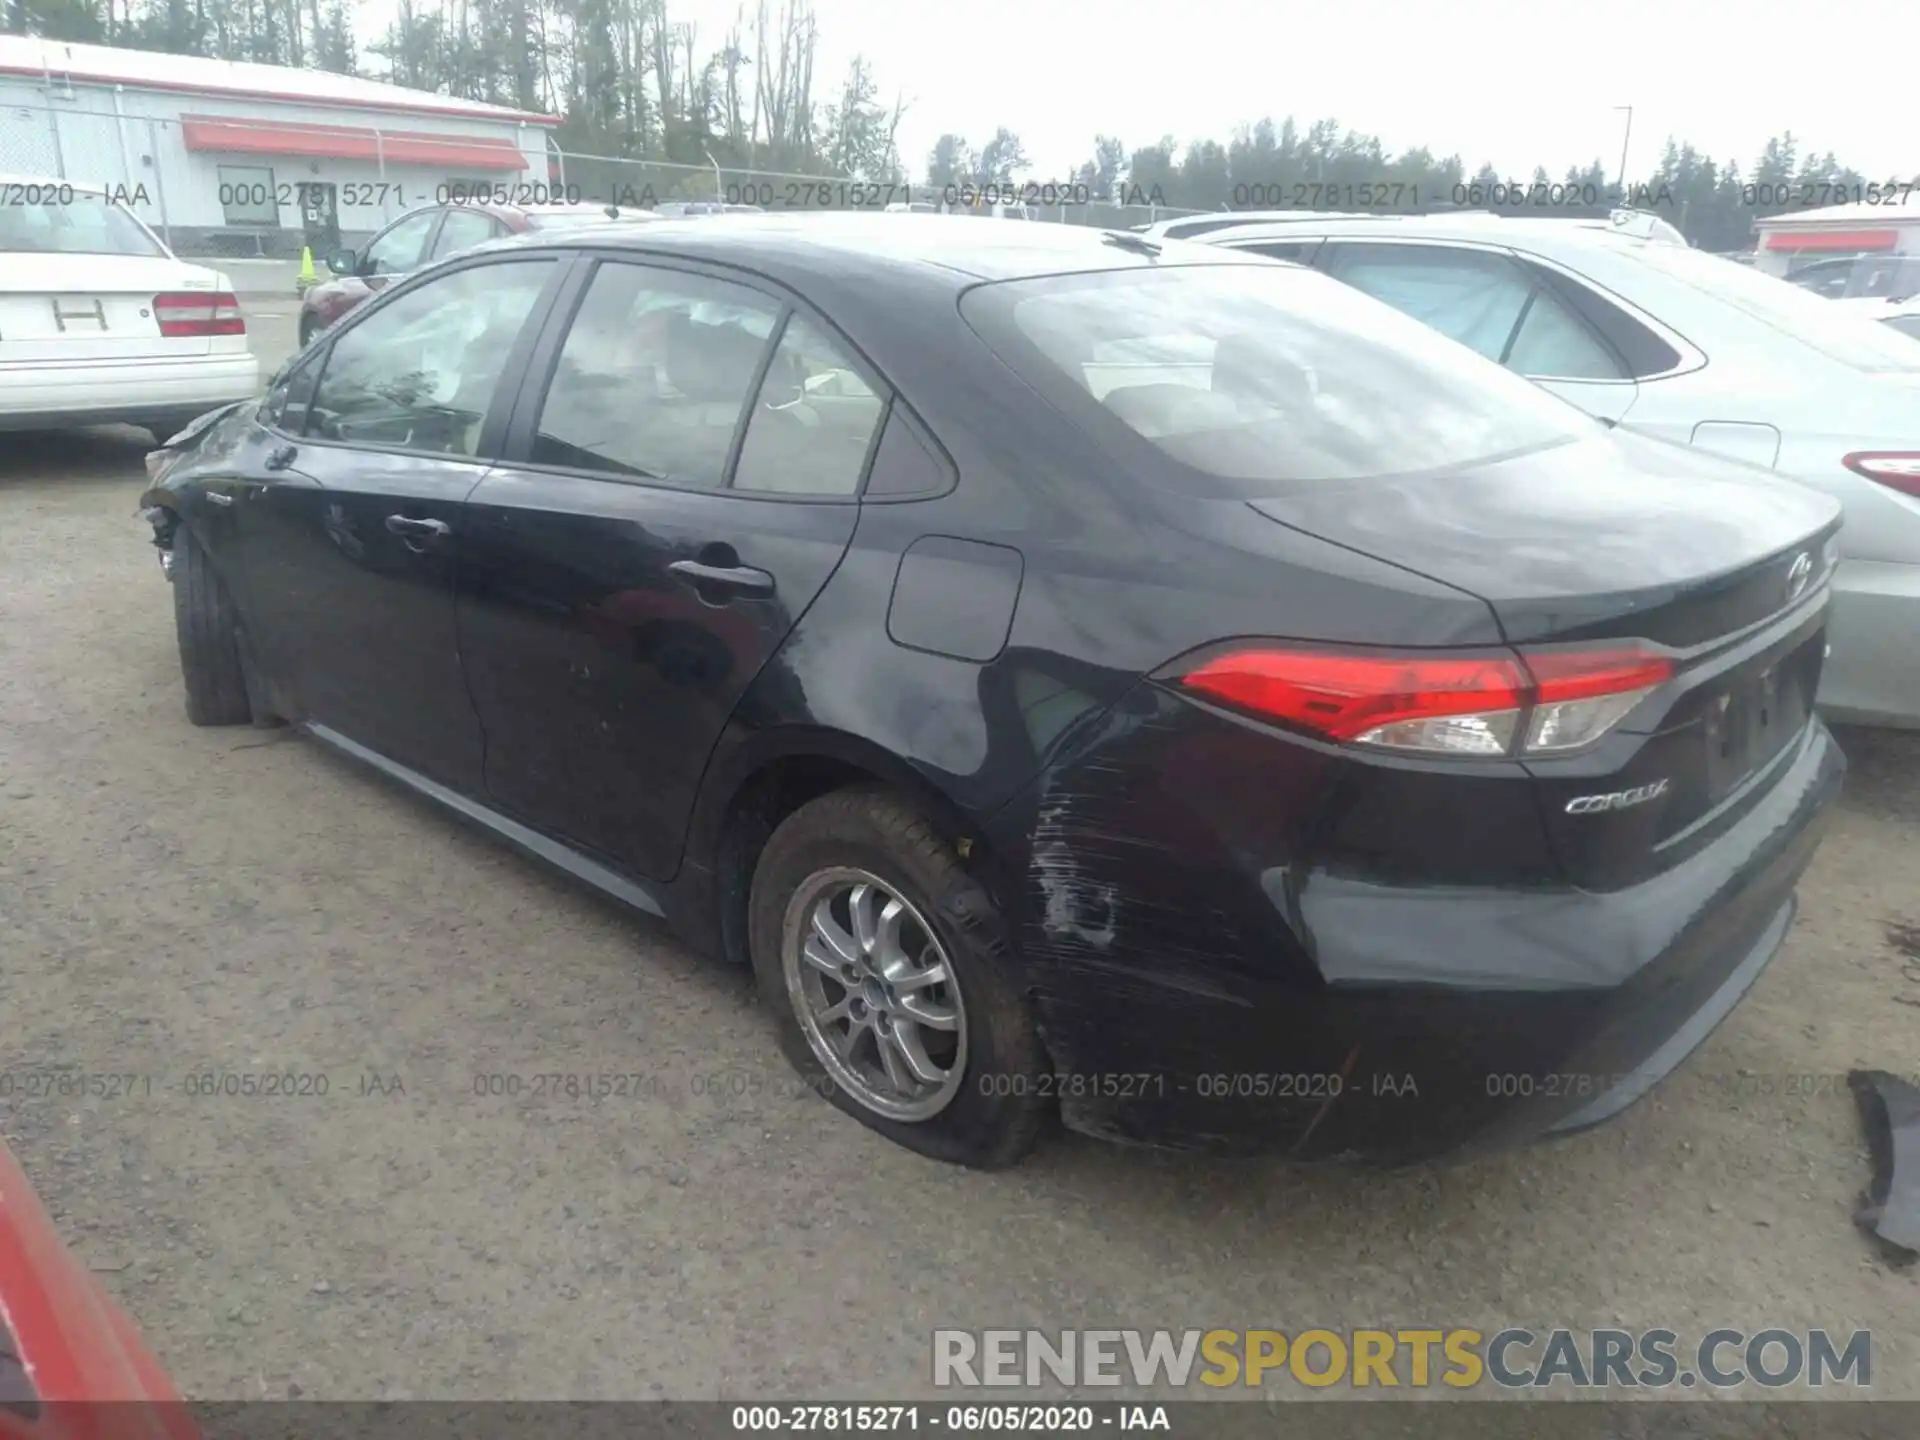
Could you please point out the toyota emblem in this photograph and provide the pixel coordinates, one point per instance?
(1798, 574)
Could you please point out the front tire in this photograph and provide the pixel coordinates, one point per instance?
(889, 969)
(208, 630)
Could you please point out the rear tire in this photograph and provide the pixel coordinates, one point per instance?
(868, 848)
(208, 630)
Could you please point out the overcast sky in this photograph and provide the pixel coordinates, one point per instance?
(1514, 82)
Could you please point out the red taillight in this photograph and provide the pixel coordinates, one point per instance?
(1342, 696)
(1896, 469)
(1547, 701)
(188, 312)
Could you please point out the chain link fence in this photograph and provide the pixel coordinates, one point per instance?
(233, 187)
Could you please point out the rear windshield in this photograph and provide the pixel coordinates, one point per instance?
(87, 225)
(1255, 378)
(1836, 332)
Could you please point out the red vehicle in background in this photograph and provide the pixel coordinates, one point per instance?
(72, 1367)
(432, 233)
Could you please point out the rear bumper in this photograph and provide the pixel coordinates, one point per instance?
(1393, 1021)
(97, 394)
(1872, 676)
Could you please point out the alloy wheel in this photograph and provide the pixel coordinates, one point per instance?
(875, 994)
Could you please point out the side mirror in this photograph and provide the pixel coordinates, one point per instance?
(342, 262)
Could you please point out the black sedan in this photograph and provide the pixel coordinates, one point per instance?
(1079, 674)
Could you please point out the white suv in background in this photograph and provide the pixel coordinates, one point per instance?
(1684, 345)
(100, 322)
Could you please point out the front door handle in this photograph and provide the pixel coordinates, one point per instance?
(730, 579)
(217, 497)
(418, 534)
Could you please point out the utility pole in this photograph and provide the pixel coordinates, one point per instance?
(1625, 141)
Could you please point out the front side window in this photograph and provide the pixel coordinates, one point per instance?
(812, 422)
(653, 376)
(1905, 324)
(420, 373)
(398, 250)
(1251, 379)
(461, 229)
(1468, 295)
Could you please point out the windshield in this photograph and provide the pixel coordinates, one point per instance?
(1259, 377)
(1839, 334)
(88, 224)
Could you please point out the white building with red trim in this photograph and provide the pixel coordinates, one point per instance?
(1860, 228)
(229, 157)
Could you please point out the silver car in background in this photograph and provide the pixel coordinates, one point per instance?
(1651, 334)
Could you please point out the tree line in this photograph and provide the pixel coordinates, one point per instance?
(632, 82)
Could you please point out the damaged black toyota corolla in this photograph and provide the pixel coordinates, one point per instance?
(1145, 683)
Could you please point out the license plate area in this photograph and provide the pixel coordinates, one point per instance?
(1754, 718)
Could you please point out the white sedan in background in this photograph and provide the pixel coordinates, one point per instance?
(1904, 317)
(1658, 337)
(100, 322)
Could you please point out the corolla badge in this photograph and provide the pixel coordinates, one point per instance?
(1618, 800)
(1798, 574)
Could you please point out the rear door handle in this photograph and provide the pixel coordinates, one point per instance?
(732, 579)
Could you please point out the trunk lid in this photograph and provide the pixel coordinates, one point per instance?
(58, 308)
(1619, 535)
(1627, 539)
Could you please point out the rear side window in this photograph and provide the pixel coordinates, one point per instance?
(654, 375)
(1469, 295)
(1255, 378)
(1551, 344)
(812, 421)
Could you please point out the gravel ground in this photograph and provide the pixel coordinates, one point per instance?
(176, 900)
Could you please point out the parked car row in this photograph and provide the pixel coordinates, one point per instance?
(1076, 672)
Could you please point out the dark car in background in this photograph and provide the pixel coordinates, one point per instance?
(1076, 673)
(432, 233)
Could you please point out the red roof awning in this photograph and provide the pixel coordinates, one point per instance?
(1785, 239)
(350, 142)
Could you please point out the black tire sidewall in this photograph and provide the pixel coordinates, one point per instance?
(1001, 1104)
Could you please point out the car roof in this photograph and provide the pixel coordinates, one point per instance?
(956, 250)
(586, 210)
(1637, 229)
(1208, 221)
